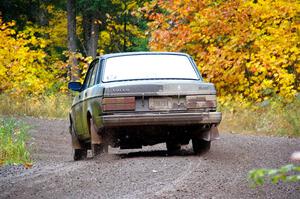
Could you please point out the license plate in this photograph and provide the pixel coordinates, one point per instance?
(164, 103)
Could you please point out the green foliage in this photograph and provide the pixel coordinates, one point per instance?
(287, 173)
(125, 28)
(19, 10)
(13, 138)
(56, 34)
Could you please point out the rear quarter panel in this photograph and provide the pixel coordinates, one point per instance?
(91, 107)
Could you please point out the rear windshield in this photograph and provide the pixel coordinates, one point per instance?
(138, 67)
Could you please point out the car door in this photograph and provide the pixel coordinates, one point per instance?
(87, 94)
(77, 109)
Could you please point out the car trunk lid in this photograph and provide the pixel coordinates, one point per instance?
(158, 88)
(164, 95)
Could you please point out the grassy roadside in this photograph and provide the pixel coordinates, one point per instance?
(54, 106)
(273, 118)
(13, 138)
(14, 133)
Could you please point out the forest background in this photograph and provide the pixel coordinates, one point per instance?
(250, 49)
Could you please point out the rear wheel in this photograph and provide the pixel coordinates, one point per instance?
(200, 146)
(79, 154)
(173, 147)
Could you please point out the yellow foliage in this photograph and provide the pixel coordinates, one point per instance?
(24, 65)
(57, 28)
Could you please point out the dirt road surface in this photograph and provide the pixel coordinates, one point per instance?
(149, 172)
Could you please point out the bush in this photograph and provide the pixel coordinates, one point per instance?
(13, 137)
(287, 173)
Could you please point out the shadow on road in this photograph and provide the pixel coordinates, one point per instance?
(156, 153)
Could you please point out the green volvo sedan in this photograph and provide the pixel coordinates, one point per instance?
(130, 100)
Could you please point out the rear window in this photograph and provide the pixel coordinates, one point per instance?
(138, 67)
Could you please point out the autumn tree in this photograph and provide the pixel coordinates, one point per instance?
(23, 68)
(249, 49)
(60, 34)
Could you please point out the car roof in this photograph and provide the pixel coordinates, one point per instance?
(141, 53)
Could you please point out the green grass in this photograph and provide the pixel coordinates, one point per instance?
(53, 106)
(13, 138)
(273, 117)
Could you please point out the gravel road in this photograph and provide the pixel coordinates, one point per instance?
(146, 173)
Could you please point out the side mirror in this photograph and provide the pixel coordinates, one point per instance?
(75, 86)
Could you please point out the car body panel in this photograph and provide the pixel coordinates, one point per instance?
(158, 103)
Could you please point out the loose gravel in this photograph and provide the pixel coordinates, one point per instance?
(149, 172)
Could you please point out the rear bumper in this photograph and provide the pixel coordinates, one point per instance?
(175, 119)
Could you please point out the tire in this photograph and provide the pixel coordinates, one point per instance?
(79, 154)
(173, 147)
(200, 146)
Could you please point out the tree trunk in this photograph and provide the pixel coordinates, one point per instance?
(86, 25)
(72, 46)
(125, 28)
(93, 44)
(43, 15)
(91, 28)
(125, 34)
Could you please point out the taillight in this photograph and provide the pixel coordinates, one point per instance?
(118, 104)
(201, 101)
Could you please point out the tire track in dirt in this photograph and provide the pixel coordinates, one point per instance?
(146, 173)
